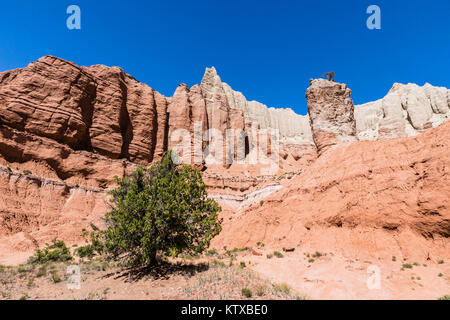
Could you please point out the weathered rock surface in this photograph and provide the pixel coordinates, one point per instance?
(75, 128)
(105, 111)
(35, 210)
(365, 199)
(407, 110)
(296, 146)
(330, 109)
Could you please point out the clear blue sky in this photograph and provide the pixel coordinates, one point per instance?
(267, 49)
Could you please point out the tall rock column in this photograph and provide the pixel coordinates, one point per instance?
(331, 113)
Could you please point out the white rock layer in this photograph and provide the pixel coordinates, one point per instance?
(405, 111)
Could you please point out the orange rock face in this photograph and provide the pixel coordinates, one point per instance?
(364, 198)
(66, 131)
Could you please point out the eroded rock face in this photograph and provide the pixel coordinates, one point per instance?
(406, 110)
(368, 198)
(296, 145)
(330, 110)
(75, 128)
(96, 109)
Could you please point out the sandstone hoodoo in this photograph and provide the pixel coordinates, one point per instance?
(331, 112)
(66, 131)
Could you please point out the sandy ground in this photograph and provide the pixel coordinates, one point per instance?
(300, 274)
(202, 279)
(332, 276)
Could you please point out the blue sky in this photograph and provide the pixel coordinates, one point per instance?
(267, 49)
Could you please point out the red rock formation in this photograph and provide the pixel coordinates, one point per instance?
(75, 128)
(366, 198)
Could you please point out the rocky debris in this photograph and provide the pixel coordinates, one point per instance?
(330, 110)
(406, 110)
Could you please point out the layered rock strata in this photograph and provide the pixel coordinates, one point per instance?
(406, 110)
(330, 110)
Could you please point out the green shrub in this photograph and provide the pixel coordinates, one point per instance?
(27, 172)
(441, 262)
(282, 287)
(242, 265)
(260, 290)
(211, 252)
(217, 263)
(440, 275)
(269, 256)
(311, 260)
(446, 297)
(278, 254)
(42, 271)
(407, 266)
(86, 251)
(55, 276)
(94, 246)
(246, 293)
(57, 251)
(161, 209)
(394, 258)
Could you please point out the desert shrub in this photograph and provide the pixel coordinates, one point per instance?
(211, 252)
(282, 287)
(27, 172)
(441, 262)
(278, 254)
(242, 265)
(57, 251)
(85, 251)
(446, 297)
(94, 246)
(246, 293)
(260, 290)
(163, 208)
(55, 276)
(407, 266)
(41, 272)
(217, 263)
(269, 256)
